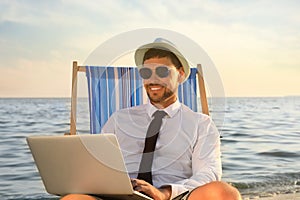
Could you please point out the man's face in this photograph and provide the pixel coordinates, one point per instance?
(162, 91)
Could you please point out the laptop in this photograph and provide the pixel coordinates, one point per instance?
(83, 164)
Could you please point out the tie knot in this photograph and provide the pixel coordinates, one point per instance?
(159, 114)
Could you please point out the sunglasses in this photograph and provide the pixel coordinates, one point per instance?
(160, 71)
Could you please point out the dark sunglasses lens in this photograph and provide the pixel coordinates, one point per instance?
(162, 71)
(145, 73)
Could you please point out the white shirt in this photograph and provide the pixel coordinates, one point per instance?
(187, 153)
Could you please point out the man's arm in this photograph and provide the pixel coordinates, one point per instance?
(206, 160)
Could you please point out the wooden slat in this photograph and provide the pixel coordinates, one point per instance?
(81, 68)
(73, 99)
(203, 97)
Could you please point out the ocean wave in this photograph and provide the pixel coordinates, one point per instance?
(280, 153)
(280, 183)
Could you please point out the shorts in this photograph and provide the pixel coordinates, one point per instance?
(183, 196)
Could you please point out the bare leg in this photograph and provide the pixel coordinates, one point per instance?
(212, 191)
(215, 191)
(79, 197)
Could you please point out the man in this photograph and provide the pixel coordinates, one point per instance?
(186, 154)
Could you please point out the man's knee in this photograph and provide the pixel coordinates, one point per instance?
(77, 197)
(217, 191)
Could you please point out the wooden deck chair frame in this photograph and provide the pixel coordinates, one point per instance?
(77, 68)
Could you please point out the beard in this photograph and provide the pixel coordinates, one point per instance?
(160, 98)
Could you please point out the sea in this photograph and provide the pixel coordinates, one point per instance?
(260, 142)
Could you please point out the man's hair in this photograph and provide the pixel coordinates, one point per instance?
(162, 53)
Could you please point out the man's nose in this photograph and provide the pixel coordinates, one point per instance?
(154, 77)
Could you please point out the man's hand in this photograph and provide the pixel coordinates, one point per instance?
(153, 192)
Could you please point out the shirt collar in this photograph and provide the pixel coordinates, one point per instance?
(171, 110)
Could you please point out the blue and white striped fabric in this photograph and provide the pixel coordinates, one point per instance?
(187, 92)
(114, 88)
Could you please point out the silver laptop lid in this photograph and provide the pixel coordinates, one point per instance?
(86, 164)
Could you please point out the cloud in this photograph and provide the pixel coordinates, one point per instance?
(238, 35)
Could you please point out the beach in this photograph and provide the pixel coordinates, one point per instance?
(260, 144)
(294, 196)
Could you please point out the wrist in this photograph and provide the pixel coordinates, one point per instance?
(166, 191)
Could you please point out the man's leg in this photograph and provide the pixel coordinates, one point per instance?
(212, 191)
(215, 191)
(79, 197)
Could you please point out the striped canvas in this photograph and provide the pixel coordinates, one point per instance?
(114, 88)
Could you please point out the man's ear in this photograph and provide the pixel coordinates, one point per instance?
(181, 75)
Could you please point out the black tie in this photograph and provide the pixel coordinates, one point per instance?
(150, 142)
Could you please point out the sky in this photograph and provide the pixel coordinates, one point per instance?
(255, 44)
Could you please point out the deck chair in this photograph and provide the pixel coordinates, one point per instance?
(113, 88)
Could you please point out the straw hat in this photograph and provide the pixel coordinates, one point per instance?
(161, 43)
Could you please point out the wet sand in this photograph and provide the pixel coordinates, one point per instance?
(294, 196)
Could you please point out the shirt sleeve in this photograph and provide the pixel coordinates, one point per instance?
(206, 159)
(109, 126)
